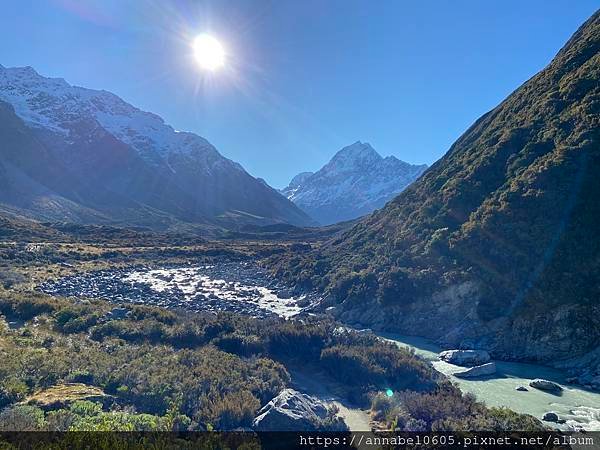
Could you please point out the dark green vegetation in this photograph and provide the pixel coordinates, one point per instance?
(446, 410)
(161, 370)
(512, 207)
(75, 364)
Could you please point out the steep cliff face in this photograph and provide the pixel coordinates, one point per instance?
(511, 212)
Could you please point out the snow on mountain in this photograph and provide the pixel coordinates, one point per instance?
(55, 105)
(295, 184)
(95, 151)
(355, 182)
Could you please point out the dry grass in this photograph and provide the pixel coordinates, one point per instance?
(63, 394)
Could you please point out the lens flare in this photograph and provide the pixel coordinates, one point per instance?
(209, 52)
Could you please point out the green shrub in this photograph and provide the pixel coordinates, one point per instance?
(240, 344)
(22, 418)
(288, 341)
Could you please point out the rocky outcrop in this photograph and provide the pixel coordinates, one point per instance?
(478, 371)
(545, 385)
(586, 369)
(465, 357)
(450, 318)
(294, 411)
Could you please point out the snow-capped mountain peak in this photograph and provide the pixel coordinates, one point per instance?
(354, 155)
(354, 182)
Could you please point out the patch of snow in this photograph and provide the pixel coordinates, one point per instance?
(55, 105)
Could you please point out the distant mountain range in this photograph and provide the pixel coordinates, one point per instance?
(355, 182)
(73, 154)
(497, 245)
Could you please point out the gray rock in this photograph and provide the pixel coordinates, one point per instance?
(294, 411)
(478, 371)
(465, 357)
(118, 313)
(545, 385)
(284, 293)
(550, 417)
(303, 302)
(521, 388)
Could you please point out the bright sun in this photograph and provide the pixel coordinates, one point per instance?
(209, 52)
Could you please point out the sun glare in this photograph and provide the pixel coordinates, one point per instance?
(209, 52)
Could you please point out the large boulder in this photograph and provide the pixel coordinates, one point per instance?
(545, 385)
(465, 357)
(478, 371)
(550, 417)
(294, 411)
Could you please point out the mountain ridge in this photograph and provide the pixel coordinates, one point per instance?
(108, 148)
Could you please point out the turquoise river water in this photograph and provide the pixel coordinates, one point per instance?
(578, 406)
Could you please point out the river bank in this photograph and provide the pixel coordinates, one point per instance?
(578, 406)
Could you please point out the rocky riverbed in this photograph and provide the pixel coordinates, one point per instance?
(238, 287)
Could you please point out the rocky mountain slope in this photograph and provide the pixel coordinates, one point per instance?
(496, 246)
(354, 183)
(80, 155)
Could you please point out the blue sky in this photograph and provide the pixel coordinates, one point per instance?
(303, 77)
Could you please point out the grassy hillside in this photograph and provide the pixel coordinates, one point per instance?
(513, 207)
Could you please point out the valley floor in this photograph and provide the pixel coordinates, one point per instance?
(226, 277)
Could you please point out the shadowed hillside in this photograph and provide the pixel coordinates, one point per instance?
(500, 234)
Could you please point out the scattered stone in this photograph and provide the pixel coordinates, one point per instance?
(478, 371)
(465, 357)
(303, 302)
(222, 286)
(521, 388)
(118, 313)
(284, 293)
(545, 385)
(550, 417)
(295, 411)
